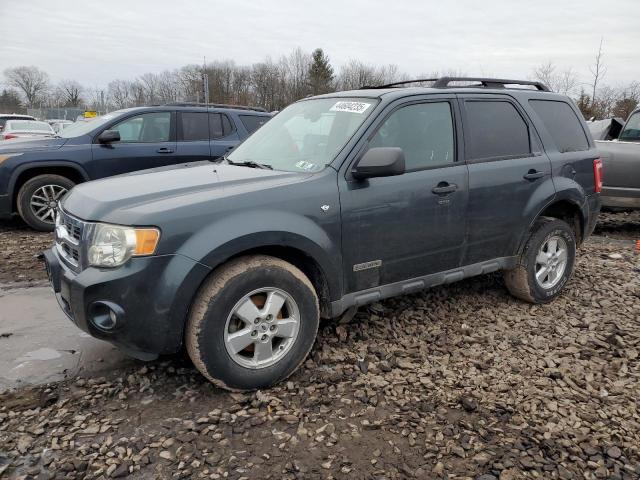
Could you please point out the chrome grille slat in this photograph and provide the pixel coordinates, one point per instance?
(69, 233)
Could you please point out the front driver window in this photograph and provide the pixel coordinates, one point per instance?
(424, 131)
(145, 128)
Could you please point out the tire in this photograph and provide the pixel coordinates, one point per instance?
(41, 190)
(521, 281)
(238, 286)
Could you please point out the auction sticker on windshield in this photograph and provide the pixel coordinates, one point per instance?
(351, 107)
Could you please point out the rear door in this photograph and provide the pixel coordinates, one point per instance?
(508, 173)
(223, 134)
(193, 137)
(147, 140)
(406, 226)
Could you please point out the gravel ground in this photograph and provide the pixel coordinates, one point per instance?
(20, 247)
(461, 381)
(621, 225)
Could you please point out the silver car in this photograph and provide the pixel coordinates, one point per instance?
(24, 129)
(621, 166)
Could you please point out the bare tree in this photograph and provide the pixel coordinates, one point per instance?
(119, 92)
(148, 83)
(565, 81)
(168, 87)
(598, 70)
(191, 82)
(31, 81)
(70, 93)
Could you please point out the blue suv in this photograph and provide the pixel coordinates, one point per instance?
(35, 174)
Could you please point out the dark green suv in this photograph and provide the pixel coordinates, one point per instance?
(339, 200)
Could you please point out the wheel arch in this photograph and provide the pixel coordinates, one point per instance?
(562, 207)
(316, 270)
(26, 172)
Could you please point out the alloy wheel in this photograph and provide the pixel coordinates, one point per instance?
(262, 328)
(551, 261)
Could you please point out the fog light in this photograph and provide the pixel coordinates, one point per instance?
(105, 315)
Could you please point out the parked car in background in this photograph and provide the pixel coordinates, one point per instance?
(12, 116)
(607, 129)
(26, 129)
(340, 200)
(34, 175)
(621, 166)
(58, 125)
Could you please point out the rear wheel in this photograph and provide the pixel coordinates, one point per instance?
(38, 198)
(253, 323)
(546, 263)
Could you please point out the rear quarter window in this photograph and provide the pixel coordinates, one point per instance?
(253, 122)
(562, 124)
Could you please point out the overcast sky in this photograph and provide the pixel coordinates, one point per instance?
(95, 42)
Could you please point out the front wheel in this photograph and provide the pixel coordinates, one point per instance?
(38, 198)
(253, 323)
(546, 263)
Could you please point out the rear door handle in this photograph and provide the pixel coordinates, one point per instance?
(444, 188)
(533, 175)
(164, 150)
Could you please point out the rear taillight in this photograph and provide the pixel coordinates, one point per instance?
(8, 136)
(597, 174)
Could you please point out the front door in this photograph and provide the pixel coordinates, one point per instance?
(146, 141)
(402, 227)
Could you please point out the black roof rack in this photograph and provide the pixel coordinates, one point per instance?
(213, 105)
(444, 82)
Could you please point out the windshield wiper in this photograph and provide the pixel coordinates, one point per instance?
(250, 164)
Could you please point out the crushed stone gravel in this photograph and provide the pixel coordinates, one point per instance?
(461, 381)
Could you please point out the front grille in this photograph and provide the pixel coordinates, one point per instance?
(69, 236)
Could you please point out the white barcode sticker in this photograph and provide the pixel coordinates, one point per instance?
(351, 107)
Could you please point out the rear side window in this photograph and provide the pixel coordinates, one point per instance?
(495, 129)
(193, 126)
(562, 124)
(219, 125)
(253, 122)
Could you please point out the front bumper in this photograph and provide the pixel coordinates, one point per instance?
(151, 296)
(5, 206)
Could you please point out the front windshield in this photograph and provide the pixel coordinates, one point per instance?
(305, 136)
(631, 132)
(83, 127)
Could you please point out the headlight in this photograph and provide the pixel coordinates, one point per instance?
(113, 245)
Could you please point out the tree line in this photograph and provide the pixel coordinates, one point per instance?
(273, 84)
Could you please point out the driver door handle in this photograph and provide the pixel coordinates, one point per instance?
(164, 150)
(444, 188)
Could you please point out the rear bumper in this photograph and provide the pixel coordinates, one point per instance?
(149, 296)
(593, 205)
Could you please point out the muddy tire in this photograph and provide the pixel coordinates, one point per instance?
(252, 323)
(546, 263)
(38, 197)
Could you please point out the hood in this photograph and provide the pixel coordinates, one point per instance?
(143, 197)
(18, 145)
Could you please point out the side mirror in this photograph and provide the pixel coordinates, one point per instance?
(380, 162)
(109, 136)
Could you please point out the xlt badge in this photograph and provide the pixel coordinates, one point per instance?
(367, 265)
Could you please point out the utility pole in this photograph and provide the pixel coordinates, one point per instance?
(205, 81)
